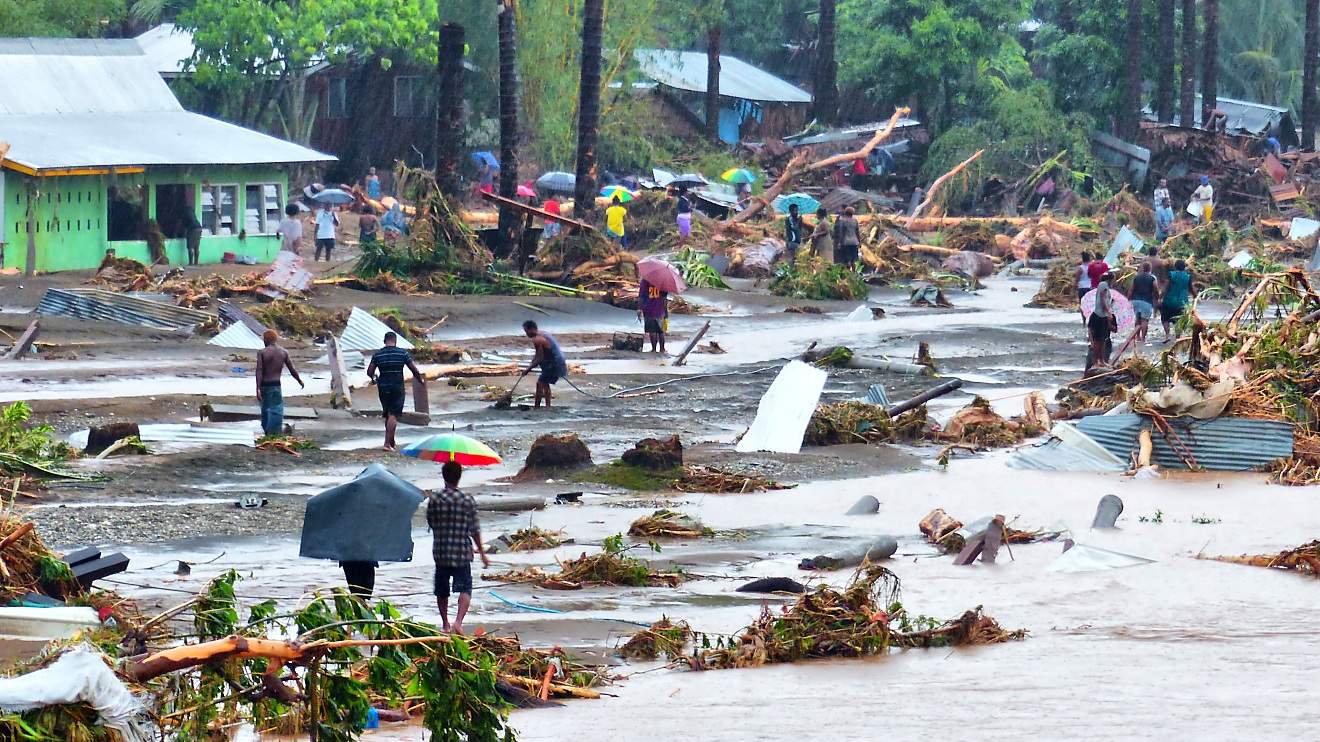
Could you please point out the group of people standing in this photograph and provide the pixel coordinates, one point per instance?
(838, 242)
(1157, 283)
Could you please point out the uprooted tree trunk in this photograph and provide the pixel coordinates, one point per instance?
(935, 187)
(798, 165)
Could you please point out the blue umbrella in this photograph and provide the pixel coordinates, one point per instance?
(486, 158)
(805, 203)
(333, 196)
(558, 181)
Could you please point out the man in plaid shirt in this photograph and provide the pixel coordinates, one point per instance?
(452, 516)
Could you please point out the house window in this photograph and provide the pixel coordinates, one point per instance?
(219, 210)
(336, 98)
(125, 213)
(409, 96)
(261, 208)
(173, 203)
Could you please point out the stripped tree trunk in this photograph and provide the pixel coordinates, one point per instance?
(584, 195)
(713, 37)
(825, 103)
(1164, 85)
(1310, 51)
(1210, 59)
(1187, 91)
(449, 109)
(1129, 120)
(509, 218)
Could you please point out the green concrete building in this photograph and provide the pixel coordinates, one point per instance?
(101, 155)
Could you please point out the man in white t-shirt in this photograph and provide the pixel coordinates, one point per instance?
(326, 226)
(290, 229)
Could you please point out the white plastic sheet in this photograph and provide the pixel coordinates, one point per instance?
(785, 410)
(1241, 260)
(862, 313)
(80, 675)
(1125, 241)
(1083, 558)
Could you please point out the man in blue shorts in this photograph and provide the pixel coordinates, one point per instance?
(455, 531)
(548, 357)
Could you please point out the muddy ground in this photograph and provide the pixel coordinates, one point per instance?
(1112, 654)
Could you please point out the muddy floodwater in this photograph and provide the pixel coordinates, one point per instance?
(1179, 648)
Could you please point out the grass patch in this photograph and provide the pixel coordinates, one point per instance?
(631, 477)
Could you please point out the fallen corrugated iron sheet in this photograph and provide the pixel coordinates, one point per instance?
(189, 433)
(1219, 444)
(107, 306)
(231, 313)
(288, 274)
(365, 332)
(237, 335)
(1056, 455)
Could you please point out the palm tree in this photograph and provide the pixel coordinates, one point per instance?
(1210, 59)
(1129, 120)
(449, 117)
(713, 37)
(825, 89)
(1187, 90)
(1311, 49)
(593, 21)
(508, 41)
(1164, 76)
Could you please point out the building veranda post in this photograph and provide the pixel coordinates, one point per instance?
(102, 155)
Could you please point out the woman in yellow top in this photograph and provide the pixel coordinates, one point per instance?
(614, 216)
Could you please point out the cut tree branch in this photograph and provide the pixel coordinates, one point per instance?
(930, 194)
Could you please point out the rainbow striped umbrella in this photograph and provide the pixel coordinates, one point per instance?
(453, 447)
(617, 192)
(738, 175)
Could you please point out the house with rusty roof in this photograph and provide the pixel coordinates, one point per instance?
(102, 156)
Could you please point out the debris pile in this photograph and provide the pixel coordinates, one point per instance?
(664, 638)
(554, 452)
(533, 539)
(668, 524)
(810, 278)
(865, 619)
(950, 535)
(612, 566)
(858, 422)
(979, 426)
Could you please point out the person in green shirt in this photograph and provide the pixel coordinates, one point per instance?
(1176, 297)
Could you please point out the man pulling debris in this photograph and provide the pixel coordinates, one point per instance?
(452, 516)
(271, 362)
(548, 357)
(390, 361)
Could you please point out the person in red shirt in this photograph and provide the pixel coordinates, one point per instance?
(1096, 270)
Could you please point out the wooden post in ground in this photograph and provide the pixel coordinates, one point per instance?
(25, 341)
(340, 396)
(682, 357)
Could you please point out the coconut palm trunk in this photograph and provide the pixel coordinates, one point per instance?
(508, 40)
(1187, 77)
(593, 20)
(449, 109)
(1310, 51)
(1164, 80)
(1130, 118)
(714, 35)
(825, 103)
(1210, 58)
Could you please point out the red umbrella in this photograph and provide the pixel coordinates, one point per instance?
(661, 275)
(525, 189)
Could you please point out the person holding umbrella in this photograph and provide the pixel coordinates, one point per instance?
(327, 227)
(659, 279)
(614, 217)
(452, 516)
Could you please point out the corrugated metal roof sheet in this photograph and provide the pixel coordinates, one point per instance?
(167, 48)
(687, 71)
(1055, 455)
(845, 134)
(107, 306)
(287, 273)
(92, 102)
(192, 433)
(1220, 444)
(43, 141)
(238, 335)
(1243, 115)
(365, 332)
